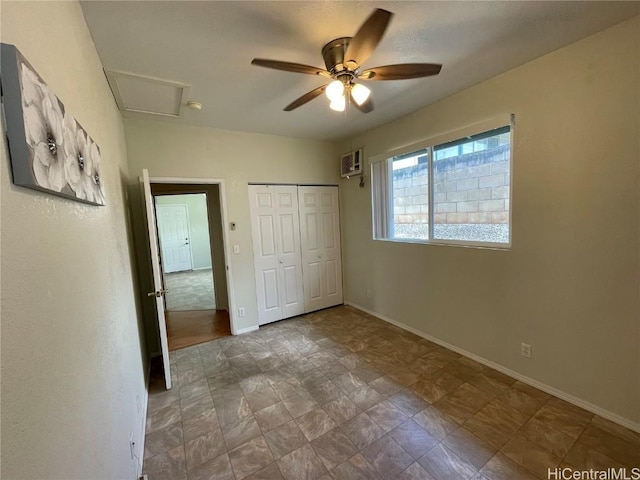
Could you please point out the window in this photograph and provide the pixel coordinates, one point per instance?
(455, 190)
(410, 189)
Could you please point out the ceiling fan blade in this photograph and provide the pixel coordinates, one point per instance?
(366, 107)
(290, 67)
(364, 42)
(402, 71)
(307, 97)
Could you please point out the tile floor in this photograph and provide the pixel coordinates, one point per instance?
(338, 394)
(191, 290)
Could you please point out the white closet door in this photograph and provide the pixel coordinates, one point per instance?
(276, 249)
(290, 258)
(320, 239)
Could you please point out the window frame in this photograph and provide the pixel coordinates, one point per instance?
(430, 144)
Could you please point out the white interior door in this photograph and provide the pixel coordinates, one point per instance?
(173, 228)
(276, 250)
(320, 240)
(158, 293)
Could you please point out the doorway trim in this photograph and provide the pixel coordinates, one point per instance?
(225, 235)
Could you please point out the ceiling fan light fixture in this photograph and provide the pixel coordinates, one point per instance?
(343, 58)
(338, 104)
(335, 90)
(360, 93)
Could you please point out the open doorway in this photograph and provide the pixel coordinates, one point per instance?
(185, 248)
(189, 226)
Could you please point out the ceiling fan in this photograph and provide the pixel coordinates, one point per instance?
(343, 58)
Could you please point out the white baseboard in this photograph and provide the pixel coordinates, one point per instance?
(631, 425)
(145, 408)
(246, 330)
(202, 268)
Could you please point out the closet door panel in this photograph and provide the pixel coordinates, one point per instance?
(313, 282)
(276, 247)
(289, 257)
(267, 237)
(287, 234)
(331, 275)
(264, 226)
(312, 246)
(311, 229)
(329, 230)
(332, 252)
(270, 289)
(320, 236)
(290, 286)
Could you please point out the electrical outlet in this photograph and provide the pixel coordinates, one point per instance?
(369, 295)
(525, 350)
(236, 249)
(241, 311)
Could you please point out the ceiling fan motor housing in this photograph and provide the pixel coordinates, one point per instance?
(334, 51)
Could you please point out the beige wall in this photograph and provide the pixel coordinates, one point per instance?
(73, 386)
(569, 286)
(169, 150)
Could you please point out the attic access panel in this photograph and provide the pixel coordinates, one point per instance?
(140, 94)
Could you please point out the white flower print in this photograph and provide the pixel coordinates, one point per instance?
(44, 132)
(75, 153)
(33, 90)
(95, 185)
(43, 122)
(64, 158)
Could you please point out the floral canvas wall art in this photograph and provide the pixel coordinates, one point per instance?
(49, 149)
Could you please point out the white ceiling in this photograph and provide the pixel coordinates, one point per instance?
(209, 45)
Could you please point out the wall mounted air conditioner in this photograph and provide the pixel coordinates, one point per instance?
(351, 163)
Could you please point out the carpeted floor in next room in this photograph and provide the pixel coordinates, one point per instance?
(339, 394)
